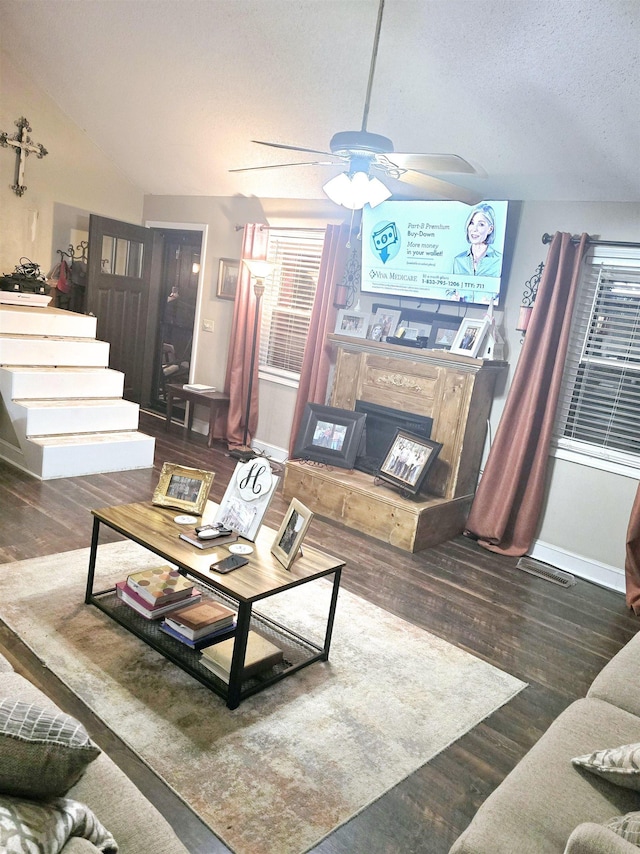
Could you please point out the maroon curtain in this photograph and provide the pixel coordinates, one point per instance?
(506, 509)
(254, 245)
(316, 362)
(632, 559)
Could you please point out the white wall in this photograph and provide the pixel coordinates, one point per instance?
(74, 174)
(583, 526)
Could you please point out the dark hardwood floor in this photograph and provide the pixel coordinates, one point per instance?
(553, 638)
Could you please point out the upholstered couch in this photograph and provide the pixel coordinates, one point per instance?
(548, 804)
(41, 750)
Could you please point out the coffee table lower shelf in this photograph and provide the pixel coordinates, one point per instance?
(298, 652)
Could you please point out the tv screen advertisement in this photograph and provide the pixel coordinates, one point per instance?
(443, 251)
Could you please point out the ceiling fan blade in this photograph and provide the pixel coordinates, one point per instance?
(431, 162)
(438, 186)
(280, 165)
(291, 147)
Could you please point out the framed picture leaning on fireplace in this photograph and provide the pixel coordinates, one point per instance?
(408, 460)
(329, 435)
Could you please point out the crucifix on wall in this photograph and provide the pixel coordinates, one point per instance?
(24, 146)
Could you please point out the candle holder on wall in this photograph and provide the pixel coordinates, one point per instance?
(345, 291)
(528, 299)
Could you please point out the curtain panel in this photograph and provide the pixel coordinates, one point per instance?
(506, 510)
(254, 245)
(316, 363)
(632, 557)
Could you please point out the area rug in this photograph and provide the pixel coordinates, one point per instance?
(290, 764)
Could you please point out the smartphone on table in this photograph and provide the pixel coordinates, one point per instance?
(228, 564)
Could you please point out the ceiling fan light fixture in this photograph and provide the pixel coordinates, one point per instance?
(378, 192)
(355, 190)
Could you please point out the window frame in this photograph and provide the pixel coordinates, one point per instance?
(574, 450)
(285, 248)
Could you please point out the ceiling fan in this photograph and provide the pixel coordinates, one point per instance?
(370, 154)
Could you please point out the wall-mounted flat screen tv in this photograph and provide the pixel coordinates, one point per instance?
(443, 251)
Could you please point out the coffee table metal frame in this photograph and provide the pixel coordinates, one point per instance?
(154, 529)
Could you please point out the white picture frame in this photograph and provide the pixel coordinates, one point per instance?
(470, 337)
(247, 497)
(354, 324)
(286, 546)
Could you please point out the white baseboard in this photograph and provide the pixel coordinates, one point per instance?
(607, 576)
(279, 455)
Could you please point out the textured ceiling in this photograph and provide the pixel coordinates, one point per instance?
(543, 95)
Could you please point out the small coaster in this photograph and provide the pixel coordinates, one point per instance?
(240, 549)
(185, 520)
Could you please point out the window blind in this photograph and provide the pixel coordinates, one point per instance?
(599, 407)
(288, 298)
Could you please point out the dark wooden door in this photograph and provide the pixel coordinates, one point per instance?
(122, 292)
(181, 253)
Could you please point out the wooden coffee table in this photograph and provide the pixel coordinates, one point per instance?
(154, 528)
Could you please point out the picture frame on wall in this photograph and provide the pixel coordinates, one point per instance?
(408, 460)
(329, 435)
(228, 272)
(183, 488)
(286, 546)
(443, 333)
(470, 337)
(355, 324)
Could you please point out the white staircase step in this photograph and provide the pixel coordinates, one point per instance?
(72, 456)
(44, 383)
(63, 352)
(56, 417)
(61, 407)
(34, 320)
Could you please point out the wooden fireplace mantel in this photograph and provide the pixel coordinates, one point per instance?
(456, 391)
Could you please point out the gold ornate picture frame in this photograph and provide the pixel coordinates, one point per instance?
(183, 488)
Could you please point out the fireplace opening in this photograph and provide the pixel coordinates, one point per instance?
(379, 430)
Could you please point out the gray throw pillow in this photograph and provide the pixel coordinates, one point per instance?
(44, 752)
(619, 765)
(45, 828)
(627, 826)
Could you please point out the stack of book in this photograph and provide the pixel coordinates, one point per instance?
(153, 593)
(200, 625)
(261, 655)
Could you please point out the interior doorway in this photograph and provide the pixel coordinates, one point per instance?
(178, 296)
(143, 286)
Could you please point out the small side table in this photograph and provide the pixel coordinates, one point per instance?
(215, 400)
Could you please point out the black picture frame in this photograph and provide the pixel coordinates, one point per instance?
(443, 333)
(408, 460)
(329, 435)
